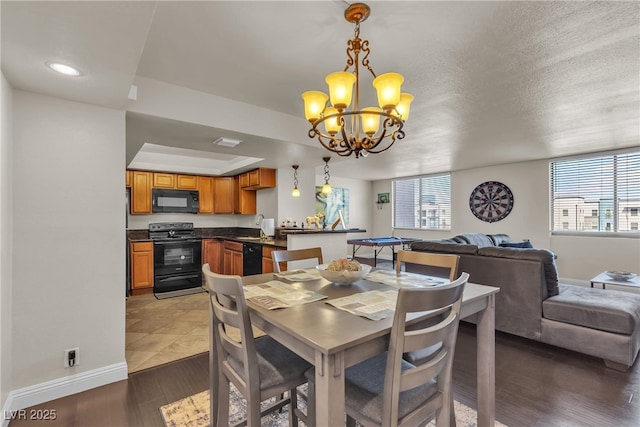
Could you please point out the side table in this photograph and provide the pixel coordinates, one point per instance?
(606, 280)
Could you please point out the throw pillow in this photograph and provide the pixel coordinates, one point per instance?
(521, 245)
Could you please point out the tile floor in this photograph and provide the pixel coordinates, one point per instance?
(161, 331)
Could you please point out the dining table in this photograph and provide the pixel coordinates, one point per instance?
(333, 339)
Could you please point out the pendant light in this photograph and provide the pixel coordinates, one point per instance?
(326, 188)
(296, 191)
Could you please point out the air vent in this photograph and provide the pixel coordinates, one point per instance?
(227, 142)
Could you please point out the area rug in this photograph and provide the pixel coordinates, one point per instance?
(193, 411)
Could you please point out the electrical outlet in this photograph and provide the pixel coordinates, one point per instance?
(71, 357)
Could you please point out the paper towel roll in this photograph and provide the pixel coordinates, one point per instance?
(268, 226)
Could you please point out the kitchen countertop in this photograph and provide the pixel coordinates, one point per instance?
(244, 236)
(318, 231)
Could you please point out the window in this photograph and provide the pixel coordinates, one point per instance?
(423, 202)
(606, 188)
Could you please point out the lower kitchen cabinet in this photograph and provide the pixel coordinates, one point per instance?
(212, 254)
(141, 268)
(267, 259)
(232, 258)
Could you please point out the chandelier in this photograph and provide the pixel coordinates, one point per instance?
(357, 130)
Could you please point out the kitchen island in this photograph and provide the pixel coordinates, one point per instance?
(333, 242)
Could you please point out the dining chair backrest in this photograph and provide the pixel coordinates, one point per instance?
(229, 308)
(296, 255)
(402, 340)
(445, 265)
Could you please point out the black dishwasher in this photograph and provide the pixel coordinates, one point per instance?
(251, 259)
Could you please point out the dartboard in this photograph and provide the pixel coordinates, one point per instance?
(491, 201)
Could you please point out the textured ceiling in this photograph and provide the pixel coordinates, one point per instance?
(494, 82)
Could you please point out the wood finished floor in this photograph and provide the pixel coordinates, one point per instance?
(536, 386)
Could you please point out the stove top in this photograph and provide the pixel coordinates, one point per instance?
(171, 231)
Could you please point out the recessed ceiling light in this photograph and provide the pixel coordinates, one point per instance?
(227, 142)
(67, 70)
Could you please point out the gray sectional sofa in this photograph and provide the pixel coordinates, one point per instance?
(532, 304)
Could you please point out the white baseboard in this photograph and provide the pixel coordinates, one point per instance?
(65, 386)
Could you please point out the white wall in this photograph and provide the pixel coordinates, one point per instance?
(579, 258)
(69, 240)
(5, 241)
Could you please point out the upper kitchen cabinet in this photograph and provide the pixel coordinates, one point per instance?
(205, 193)
(223, 197)
(244, 200)
(186, 182)
(172, 180)
(141, 183)
(258, 179)
(127, 179)
(164, 180)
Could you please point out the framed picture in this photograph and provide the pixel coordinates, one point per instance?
(383, 197)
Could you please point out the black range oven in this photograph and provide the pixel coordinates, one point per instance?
(177, 257)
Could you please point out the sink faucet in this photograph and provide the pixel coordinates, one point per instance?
(259, 219)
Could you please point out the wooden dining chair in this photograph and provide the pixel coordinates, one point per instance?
(260, 368)
(441, 265)
(295, 255)
(386, 390)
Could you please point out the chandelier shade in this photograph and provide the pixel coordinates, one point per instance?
(346, 127)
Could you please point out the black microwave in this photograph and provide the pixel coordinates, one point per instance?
(174, 201)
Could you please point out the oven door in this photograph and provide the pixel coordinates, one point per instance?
(172, 257)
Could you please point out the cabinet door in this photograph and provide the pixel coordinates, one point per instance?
(212, 254)
(244, 201)
(244, 180)
(205, 194)
(141, 192)
(141, 265)
(164, 180)
(236, 263)
(223, 195)
(187, 182)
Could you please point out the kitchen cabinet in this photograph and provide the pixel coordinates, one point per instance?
(258, 179)
(232, 258)
(186, 182)
(164, 180)
(212, 254)
(141, 267)
(244, 201)
(205, 194)
(267, 259)
(223, 197)
(244, 180)
(127, 179)
(141, 192)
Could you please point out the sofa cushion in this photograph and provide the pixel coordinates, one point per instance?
(605, 310)
(547, 258)
(479, 239)
(499, 238)
(519, 245)
(446, 247)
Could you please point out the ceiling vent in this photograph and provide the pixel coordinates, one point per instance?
(227, 142)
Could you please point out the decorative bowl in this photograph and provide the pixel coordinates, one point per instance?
(343, 277)
(620, 275)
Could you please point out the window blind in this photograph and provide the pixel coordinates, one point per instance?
(598, 194)
(423, 202)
